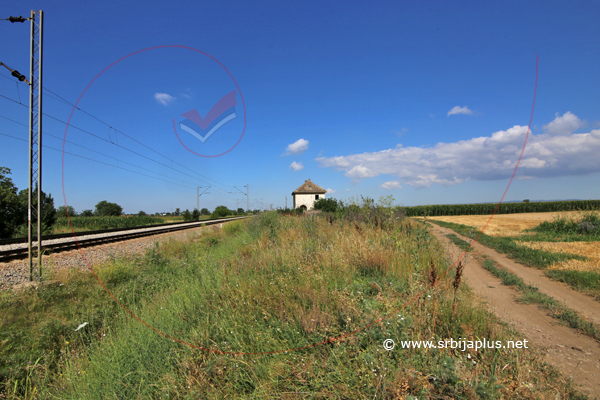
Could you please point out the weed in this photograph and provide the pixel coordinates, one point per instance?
(275, 284)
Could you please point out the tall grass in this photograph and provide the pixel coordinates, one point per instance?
(292, 306)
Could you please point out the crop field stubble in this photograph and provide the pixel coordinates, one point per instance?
(519, 226)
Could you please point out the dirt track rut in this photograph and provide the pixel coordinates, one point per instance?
(574, 354)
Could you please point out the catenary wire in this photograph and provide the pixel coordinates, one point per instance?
(135, 140)
(97, 152)
(58, 97)
(120, 146)
(101, 162)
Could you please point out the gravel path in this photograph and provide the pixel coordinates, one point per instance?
(17, 272)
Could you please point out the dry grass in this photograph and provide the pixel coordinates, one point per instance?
(515, 224)
(507, 224)
(591, 250)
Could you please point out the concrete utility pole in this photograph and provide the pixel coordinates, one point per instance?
(35, 132)
(198, 194)
(247, 194)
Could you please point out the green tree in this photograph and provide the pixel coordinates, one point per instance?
(220, 212)
(48, 212)
(87, 213)
(61, 211)
(204, 211)
(142, 214)
(12, 214)
(177, 212)
(195, 215)
(187, 215)
(327, 205)
(104, 208)
(240, 211)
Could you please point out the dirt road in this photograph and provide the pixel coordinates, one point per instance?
(574, 354)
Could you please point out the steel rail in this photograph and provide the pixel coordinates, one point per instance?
(81, 241)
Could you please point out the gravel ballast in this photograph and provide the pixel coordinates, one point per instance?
(17, 272)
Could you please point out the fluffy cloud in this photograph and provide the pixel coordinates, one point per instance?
(296, 166)
(359, 172)
(391, 185)
(298, 147)
(163, 98)
(460, 110)
(483, 158)
(331, 191)
(564, 125)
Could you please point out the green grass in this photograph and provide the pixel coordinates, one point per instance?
(584, 281)
(586, 225)
(532, 257)
(271, 284)
(531, 294)
(459, 242)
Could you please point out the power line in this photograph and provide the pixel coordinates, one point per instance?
(102, 154)
(100, 162)
(116, 144)
(135, 140)
(108, 141)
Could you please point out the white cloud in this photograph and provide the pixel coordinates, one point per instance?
(460, 110)
(564, 125)
(296, 166)
(347, 190)
(391, 185)
(331, 191)
(401, 131)
(164, 98)
(359, 172)
(298, 147)
(483, 158)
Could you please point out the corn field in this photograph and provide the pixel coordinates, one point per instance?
(505, 208)
(96, 223)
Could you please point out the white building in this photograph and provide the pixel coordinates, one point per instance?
(306, 195)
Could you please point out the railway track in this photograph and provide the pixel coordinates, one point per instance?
(15, 249)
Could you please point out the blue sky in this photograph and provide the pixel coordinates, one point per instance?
(426, 101)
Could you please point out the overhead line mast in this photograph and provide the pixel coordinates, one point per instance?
(35, 132)
(35, 136)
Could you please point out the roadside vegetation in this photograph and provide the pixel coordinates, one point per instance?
(106, 215)
(585, 228)
(290, 305)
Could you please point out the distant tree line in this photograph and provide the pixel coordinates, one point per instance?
(14, 203)
(13, 208)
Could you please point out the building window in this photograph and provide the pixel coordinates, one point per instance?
(316, 197)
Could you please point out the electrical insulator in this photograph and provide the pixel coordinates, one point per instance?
(18, 75)
(17, 19)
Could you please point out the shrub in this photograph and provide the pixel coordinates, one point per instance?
(221, 211)
(327, 205)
